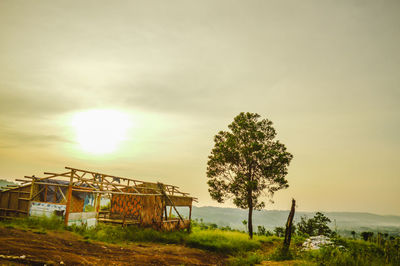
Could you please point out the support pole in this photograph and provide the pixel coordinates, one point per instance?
(45, 193)
(98, 199)
(31, 194)
(69, 197)
(190, 218)
(170, 208)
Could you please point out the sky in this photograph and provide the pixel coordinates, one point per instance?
(140, 88)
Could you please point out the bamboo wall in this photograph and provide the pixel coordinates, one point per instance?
(15, 202)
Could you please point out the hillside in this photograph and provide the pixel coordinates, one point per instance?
(357, 221)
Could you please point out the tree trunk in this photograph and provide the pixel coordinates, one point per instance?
(289, 225)
(250, 219)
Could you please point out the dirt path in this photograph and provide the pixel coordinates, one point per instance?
(55, 248)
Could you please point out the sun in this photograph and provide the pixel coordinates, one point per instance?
(100, 131)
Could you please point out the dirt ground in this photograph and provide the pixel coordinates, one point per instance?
(19, 247)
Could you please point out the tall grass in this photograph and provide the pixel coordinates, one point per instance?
(356, 252)
(118, 234)
(50, 223)
(223, 241)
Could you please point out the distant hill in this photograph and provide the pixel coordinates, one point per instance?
(4, 183)
(344, 221)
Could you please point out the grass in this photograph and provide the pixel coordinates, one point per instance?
(234, 244)
(117, 234)
(356, 252)
(250, 258)
(220, 241)
(44, 223)
(223, 241)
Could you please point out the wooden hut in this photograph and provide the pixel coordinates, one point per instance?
(69, 195)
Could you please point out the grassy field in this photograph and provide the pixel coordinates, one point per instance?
(234, 244)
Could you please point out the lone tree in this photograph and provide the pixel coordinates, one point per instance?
(246, 163)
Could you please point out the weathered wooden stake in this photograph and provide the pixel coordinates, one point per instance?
(289, 225)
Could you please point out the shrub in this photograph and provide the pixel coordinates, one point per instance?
(246, 259)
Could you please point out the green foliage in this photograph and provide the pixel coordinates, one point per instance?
(106, 207)
(318, 225)
(51, 223)
(280, 254)
(357, 252)
(367, 235)
(279, 231)
(250, 258)
(247, 162)
(202, 225)
(261, 231)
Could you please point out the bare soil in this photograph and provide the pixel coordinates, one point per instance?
(20, 247)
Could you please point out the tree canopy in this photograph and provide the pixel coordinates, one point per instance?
(247, 163)
(318, 225)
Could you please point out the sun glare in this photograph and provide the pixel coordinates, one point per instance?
(100, 131)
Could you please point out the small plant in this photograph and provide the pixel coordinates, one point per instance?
(280, 254)
(252, 258)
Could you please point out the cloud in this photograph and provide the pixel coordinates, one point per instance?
(24, 137)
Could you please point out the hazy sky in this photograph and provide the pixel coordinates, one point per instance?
(327, 73)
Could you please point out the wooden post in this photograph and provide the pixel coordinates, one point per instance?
(190, 219)
(69, 197)
(98, 199)
(31, 194)
(170, 208)
(19, 189)
(55, 194)
(45, 193)
(288, 231)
